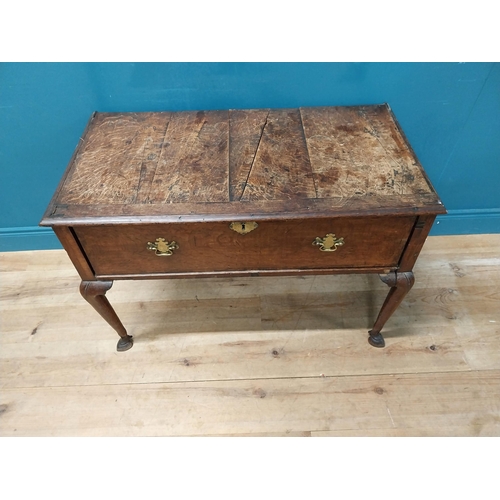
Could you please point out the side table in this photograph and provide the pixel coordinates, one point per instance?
(243, 193)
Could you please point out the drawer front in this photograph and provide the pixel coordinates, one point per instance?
(273, 245)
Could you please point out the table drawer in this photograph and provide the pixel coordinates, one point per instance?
(366, 242)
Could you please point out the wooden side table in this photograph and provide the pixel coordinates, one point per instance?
(243, 193)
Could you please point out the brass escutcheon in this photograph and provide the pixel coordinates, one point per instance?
(329, 243)
(162, 248)
(243, 227)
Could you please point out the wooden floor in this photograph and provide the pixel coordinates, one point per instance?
(254, 356)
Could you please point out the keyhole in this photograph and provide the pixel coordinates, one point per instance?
(243, 226)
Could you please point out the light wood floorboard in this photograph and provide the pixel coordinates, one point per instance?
(254, 356)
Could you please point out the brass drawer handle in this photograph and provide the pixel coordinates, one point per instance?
(329, 243)
(162, 248)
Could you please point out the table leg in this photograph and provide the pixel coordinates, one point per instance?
(94, 293)
(400, 284)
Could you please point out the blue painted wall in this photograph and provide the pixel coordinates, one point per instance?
(449, 111)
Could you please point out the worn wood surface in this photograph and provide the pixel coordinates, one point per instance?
(64, 215)
(281, 169)
(259, 162)
(194, 164)
(359, 152)
(247, 356)
(316, 173)
(246, 129)
(112, 164)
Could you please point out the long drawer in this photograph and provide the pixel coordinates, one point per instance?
(363, 242)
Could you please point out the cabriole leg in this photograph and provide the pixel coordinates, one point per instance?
(94, 293)
(400, 284)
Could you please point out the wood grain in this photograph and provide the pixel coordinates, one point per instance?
(118, 251)
(255, 161)
(280, 406)
(67, 238)
(266, 356)
(294, 208)
(357, 151)
(245, 132)
(214, 247)
(391, 137)
(116, 158)
(195, 163)
(281, 169)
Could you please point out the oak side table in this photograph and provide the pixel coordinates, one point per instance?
(253, 192)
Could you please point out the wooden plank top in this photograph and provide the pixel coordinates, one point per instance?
(241, 164)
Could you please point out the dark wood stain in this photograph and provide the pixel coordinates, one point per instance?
(213, 246)
(299, 173)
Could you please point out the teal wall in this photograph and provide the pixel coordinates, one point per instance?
(449, 111)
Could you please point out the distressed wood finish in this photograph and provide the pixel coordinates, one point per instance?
(276, 161)
(112, 165)
(281, 169)
(195, 144)
(297, 208)
(300, 174)
(345, 144)
(246, 127)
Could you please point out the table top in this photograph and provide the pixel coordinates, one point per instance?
(241, 164)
